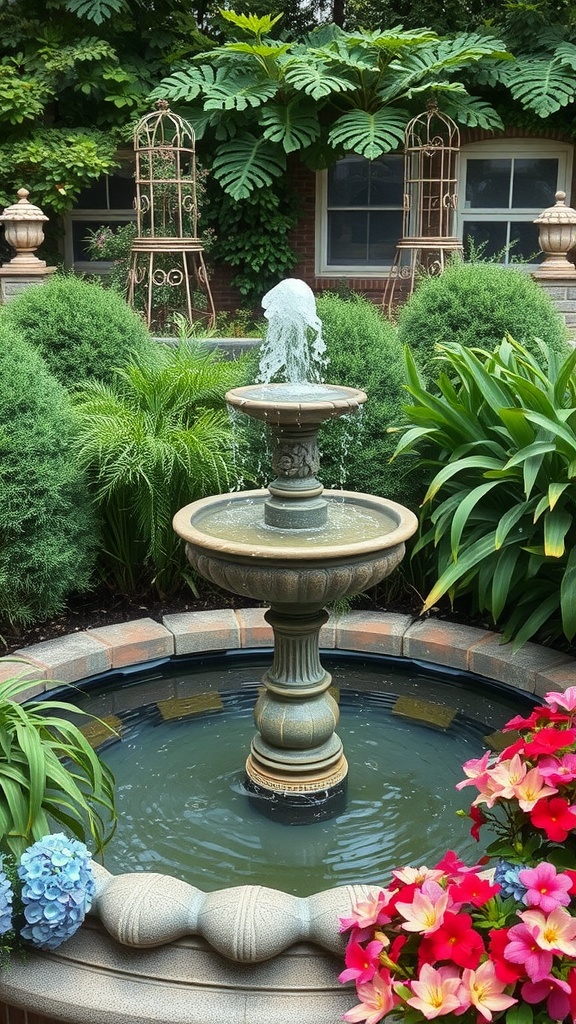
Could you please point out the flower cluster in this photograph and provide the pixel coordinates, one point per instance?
(446, 941)
(527, 794)
(57, 889)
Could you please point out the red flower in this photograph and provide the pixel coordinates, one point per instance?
(506, 971)
(538, 716)
(555, 817)
(479, 819)
(515, 748)
(548, 741)
(473, 889)
(454, 940)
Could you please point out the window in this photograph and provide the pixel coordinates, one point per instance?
(503, 186)
(359, 214)
(110, 201)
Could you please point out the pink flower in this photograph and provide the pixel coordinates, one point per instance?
(531, 789)
(556, 770)
(545, 888)
(474, 769)
(377, 999)
(426, 912)
(565, 700)
(554, 990)
(522, 948)
(435, 991)
(505, 776)
(481, 989)
(361, 964)
(368, 912)
(416, 876)
(556, 932)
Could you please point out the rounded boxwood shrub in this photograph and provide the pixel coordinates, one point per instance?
(46, 523)
(364, 352)
(82, 329)
(476, 305)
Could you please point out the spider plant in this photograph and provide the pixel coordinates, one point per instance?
(156, 439)
(49, 773)
(498, 440)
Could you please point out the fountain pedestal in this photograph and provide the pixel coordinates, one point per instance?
(296, 548)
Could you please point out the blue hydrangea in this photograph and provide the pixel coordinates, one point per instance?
(506, 874)
(57, 889)
(6, 897)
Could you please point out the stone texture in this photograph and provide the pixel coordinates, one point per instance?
(14, 668)
(515, 668)
(133, 642)
(69, 658)
(556, 679)
(375, 632)
(196, 632)
(443, 643)
(254, 630)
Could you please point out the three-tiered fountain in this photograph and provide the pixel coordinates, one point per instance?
(297, 548)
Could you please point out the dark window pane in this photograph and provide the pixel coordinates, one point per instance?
(535, 183)
(348, 182)
(347, 237)
(524, 242)
(121, 191)
(80, 232)
(488, 238)
(94, 197)
(488, 184)
(387, 181)
(384, 230)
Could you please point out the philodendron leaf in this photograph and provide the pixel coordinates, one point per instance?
(316, 78)
(370, 135)
(544, 86)
(471, 111)
(293, 125)
(247, 163)
(237, 90)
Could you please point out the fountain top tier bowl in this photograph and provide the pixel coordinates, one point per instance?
(296, 405)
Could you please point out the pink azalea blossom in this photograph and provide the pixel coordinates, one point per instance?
(546, 889)
(556, 932)
(556, 992)
(506, 776)
(361, 963)
(426, 912)
(558, 771)
(435, 991)
(474, 769)
(565, 700)
(368, 912)
(522, 948)
(482, 989)
(377, 999)
(416, 876)
(531, 789)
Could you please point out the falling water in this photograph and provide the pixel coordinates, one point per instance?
(293, 349)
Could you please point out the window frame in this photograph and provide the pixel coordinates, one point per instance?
(498, 149)
(352, 270)
(98, 217)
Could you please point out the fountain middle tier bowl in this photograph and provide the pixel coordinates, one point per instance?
(295, 404)
(229, 543)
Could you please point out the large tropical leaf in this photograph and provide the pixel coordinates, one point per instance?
(470, 110)
(449, 55)
(544, 86)
(317, 78)
(293, 125)
(185, 84)
(247, 163)
(368, 134)
(237, 90)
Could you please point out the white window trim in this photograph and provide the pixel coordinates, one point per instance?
(97, 217)
(499, 149)
(322, 267)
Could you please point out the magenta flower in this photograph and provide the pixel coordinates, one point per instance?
(361, 964)
(565, 700)
(545, 887)
(554, 990)
(557, 770)
(523, 949)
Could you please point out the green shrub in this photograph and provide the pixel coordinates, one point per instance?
(500, 512)
(156, 439)
(364, 352)
(82, 329)
(46, 524)
(476, 305)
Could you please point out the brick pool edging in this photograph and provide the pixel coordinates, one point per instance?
(533, 668)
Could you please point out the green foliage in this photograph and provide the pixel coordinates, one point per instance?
(46, 524)
(331, 93)
(82, 329)
(476, 304)
(252, 237)
(49, 772)
(363, 352)
(154, 440)
(96, 10)
(499, 445)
